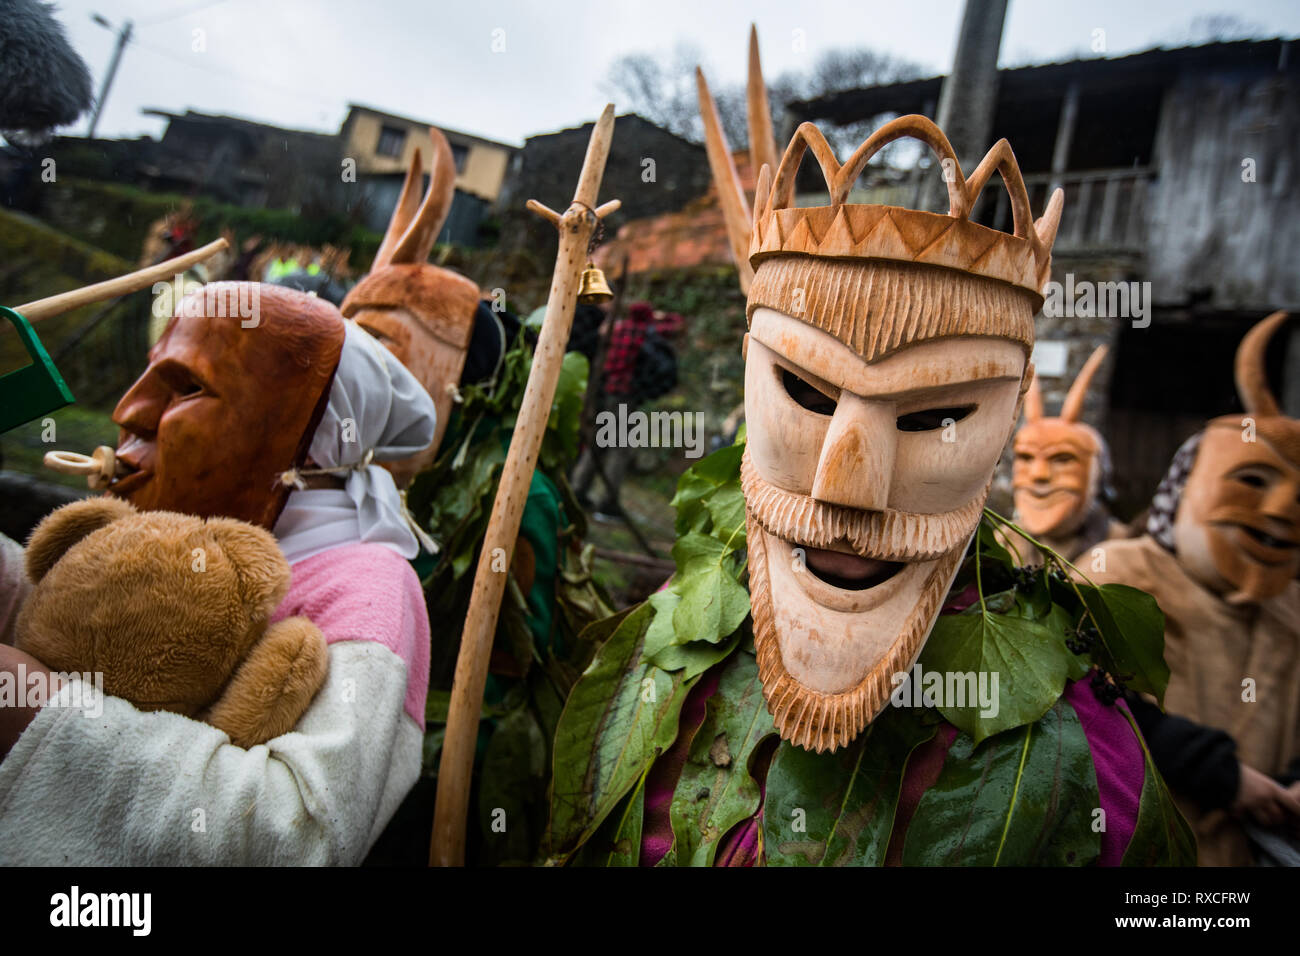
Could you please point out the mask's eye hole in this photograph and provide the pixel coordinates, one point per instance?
(1252, 479)
(932, 418)
(378, 336)
(806, 395)
(180, 381)
(1064, 458)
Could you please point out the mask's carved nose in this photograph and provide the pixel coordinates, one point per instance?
(857, 457)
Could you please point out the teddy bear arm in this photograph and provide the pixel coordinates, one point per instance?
(273, 685)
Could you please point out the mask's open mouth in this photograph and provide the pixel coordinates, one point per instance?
(848, 572)
(128, 476)
(1046, 495)
(1267, 540)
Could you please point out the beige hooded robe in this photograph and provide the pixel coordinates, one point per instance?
(1234, 668)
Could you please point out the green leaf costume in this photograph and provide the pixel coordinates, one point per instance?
(665, 753)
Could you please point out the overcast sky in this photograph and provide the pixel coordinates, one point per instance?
(298, 63)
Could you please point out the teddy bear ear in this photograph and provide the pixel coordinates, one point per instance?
(64, 527)
(256, 558)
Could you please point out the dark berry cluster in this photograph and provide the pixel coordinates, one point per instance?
(1024, 578)
(1107, 689)
(1082, 639)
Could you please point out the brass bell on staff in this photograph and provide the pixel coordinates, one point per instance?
(593, 288)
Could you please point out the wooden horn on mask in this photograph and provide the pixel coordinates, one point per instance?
(731, 195)
(420, 236)
(1033, 399)
(762, 142)
(1073, 405)
(415, 225)
(407, 205)
(1252, 378)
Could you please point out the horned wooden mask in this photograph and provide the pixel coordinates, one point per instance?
(1057, 468)
(424, 314)
(1237, 527)
(230, 400)
(886, 357)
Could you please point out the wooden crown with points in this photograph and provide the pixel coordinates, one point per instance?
(844, 230)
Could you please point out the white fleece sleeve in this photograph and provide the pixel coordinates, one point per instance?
(133, 788)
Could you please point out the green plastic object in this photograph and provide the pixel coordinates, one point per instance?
(33, 390)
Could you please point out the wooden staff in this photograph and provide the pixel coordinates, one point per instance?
(576, 224)
(122, 285)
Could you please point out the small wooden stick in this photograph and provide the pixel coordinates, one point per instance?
(447, 847)
(122, 285)
(546, 212)
(99, 468)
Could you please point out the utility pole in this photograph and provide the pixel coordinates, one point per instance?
(123, 37)
(970, 92)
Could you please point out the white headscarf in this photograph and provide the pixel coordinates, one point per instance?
(377, 411)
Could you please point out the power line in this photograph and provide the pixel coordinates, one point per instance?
(229, 74)
(192, 8)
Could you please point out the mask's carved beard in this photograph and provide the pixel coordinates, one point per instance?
(817, 721)
(884, 535)
(806, 717)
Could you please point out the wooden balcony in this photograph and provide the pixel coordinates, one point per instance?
(1105, 209)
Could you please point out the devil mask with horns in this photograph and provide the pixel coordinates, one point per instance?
(1059, 468)
(886, 358)
(1235, 523)
(424, 314)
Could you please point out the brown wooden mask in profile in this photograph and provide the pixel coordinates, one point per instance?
(422, 313)
(1056, 473)
(1237, 529)
(230, 399)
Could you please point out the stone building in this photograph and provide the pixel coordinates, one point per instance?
(650, 170)
(237, 161)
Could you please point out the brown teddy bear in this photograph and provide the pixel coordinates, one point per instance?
(173, 611)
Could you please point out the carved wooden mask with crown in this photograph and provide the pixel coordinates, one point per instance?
(1057, 467)
(1237, 528)
(886, 359)
(422, 313)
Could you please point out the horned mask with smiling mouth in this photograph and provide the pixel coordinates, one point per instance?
(885, 363)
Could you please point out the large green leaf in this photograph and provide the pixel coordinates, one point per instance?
(1161, 836)
(837, 809)
(1027, 660)
(726, 507)
(1133, 633)
(617, 841)
(620, 715)
(990, 548)
(713, 603)
(560, 442)
(625, 848)
(1023, 798)
(700, 481)
(696, 657)
(660, 634)
(715, 790)
(667, 650)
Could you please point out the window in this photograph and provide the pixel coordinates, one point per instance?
(391, 141)
(459, 154)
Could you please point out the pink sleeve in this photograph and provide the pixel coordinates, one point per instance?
(365, 592)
